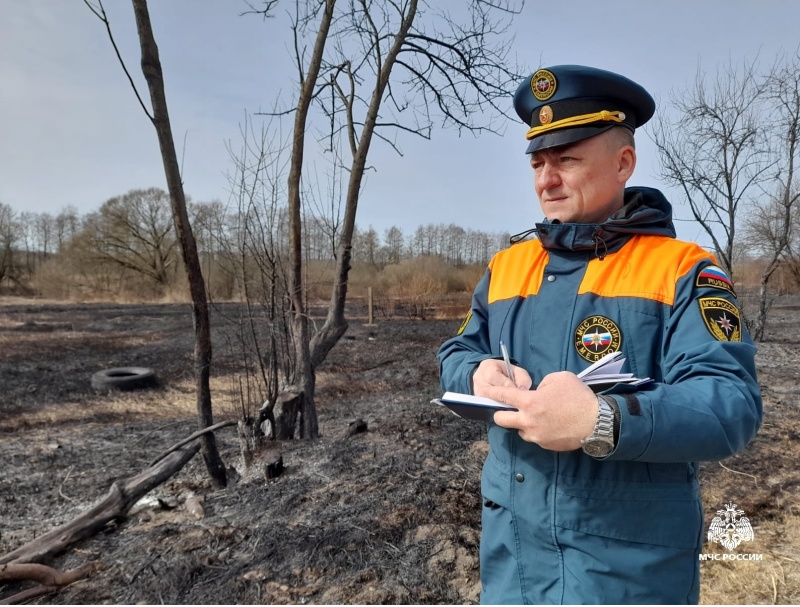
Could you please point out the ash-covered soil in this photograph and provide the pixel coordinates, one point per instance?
(391, 515)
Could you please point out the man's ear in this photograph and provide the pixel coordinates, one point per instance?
(626, 163)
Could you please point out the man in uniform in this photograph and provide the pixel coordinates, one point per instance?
(593, 498)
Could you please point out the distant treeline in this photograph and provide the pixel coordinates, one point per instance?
(128, 248)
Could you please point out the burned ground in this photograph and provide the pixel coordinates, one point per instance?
(386, 516)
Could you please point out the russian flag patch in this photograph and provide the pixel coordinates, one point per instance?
(716, 278)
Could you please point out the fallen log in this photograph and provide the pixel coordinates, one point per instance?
(43, 574)
(120, 498)
(51, 580)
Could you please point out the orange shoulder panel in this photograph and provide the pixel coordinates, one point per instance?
(517, 271)
(646, 267)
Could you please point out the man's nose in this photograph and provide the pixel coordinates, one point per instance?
(547, 177)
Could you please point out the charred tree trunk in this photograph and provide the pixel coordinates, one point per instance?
(764, 303)
(287, 408)
(151, 68)
(304, 369)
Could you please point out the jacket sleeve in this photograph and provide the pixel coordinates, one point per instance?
(461, 355)
(708, 404)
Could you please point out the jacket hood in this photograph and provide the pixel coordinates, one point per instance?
(646, 211)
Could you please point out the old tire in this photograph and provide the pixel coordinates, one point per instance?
(124, 378)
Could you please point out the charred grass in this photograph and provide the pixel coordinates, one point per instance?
(387, 516)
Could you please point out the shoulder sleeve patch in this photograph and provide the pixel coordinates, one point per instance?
(716, 278)
(722, 318)
(465, 323)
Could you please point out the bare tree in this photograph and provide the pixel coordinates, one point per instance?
(256, 248)
(792, 261)
(67, 223)
(44, 225)
(27, 236)
(378, 68)
(151, 68)
(9, 230)
(394, 242)
(133, 231)
(325, 197)
(453, 244)
(209, 225)
(714, 150)
(365, 246)
(772, 223)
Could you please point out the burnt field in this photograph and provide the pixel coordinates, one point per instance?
(390, 515)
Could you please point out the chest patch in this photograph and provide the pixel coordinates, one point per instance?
(722, 318)
(714, 277)
(597, 336)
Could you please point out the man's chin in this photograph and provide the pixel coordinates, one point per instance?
(559, 210)
(562, 217)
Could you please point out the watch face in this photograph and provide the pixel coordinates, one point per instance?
(597, 447)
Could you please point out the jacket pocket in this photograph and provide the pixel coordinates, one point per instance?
(662, 514)
(495, 485)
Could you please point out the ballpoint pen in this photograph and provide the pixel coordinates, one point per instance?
(507, 361)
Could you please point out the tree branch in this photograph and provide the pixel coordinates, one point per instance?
(100, 13)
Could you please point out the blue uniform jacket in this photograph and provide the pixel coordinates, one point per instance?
(563, 527)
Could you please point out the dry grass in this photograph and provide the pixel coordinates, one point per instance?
(771, 581)
(176, 402)
(773, 508)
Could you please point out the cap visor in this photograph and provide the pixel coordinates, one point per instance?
(565, 136)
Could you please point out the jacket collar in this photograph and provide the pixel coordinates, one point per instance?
(646, 211)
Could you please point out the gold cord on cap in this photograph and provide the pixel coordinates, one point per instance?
(601, 116)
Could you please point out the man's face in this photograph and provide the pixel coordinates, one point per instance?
(582, 182)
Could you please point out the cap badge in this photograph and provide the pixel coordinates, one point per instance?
(543, 85)
(546, 115)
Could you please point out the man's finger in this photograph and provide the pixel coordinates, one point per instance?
(508, 419)
(508, 393)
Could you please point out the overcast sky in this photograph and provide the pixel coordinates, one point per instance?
(73, 133)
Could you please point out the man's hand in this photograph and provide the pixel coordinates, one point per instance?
(492, 373)
(557, 415)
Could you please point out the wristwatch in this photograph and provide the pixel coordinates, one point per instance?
(601, 442)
